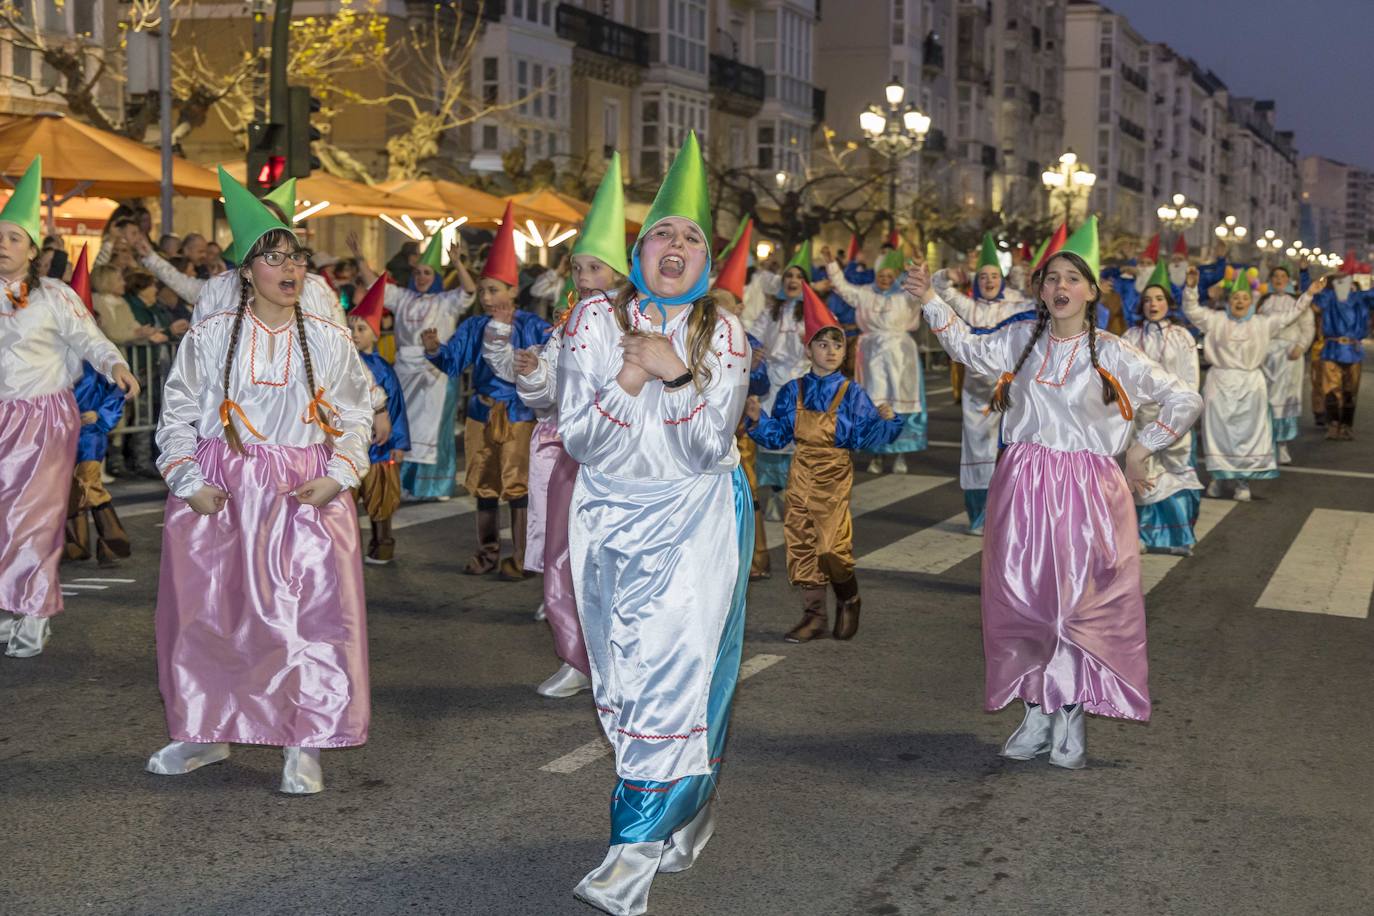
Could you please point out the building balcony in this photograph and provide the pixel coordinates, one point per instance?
(1197, 165)
(971, 72)
(936, 142)
(1130, 182)
(932, 55)
(490, 10)
(729, 75)
(1130, 128)
(1135, 78)
(817, 105)
(1197, 125)
(603, 36)
(988, 157)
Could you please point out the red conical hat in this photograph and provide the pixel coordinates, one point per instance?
(1349, 266)
(815, 315)
(81, 280)
(1151, 252)
(369, 309)
(1061, 235)
(731, 276)
(1181, 247)
(501, 264)
(894, 240)
(852, 251)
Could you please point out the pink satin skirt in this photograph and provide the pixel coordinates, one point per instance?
(545, 447)
(261, 619)
(560, 605)
(37, 454)
(1063, 614)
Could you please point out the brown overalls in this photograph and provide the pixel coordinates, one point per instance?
(817, 529)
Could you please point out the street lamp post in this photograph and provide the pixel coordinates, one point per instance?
(1230, 231)
(1069, 180)
(895, 133)
(1177, 215)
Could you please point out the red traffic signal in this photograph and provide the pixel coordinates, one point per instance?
(272, 172)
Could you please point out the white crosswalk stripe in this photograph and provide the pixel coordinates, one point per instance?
(1154, 567)
(1328, 568)
(872, 495)
(931, 550)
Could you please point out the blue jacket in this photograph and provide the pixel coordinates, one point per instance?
(463, 351)
(857, 423)
(94, 392)
(386, 379)
(1208, 276)
(758, 376)
(843, 311)
(1348, 319)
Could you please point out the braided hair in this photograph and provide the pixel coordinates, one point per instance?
(268, 241)
(1001, 395)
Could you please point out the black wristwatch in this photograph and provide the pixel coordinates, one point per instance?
(678, 382)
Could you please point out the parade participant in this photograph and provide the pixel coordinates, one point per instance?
(827, 416)
(1345, 323)
(1283, 367)
(779, 329)
(497, 432)
(431, 466)
(728, 292)
(651, 385)
(1168, 510)
(888, 363)
(991, 305)
(1063, 612)
(46, 334)
(266, 419)
(100, 404)
(597, 264)
(1237, 428)
(380, 491)
(1130, 282)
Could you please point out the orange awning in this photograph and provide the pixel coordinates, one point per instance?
(458, 200)
(350, 198)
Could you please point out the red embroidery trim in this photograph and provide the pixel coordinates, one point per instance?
(605, 709)
(1170, 429)
(666, 788)
(730, 340)
(253, 354)
(348, 461)
(1073, 356)
(576, 325)
(944, 327)
(599, 409)
(176, 464)
(696, 410)
(695, 731)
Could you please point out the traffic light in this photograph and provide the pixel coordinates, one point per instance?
(266, 157)
(300, 133)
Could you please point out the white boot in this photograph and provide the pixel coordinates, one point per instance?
(1032, 736)
(1242, 492)
(1214, 489)
(567, 681)
(8, 622)
(687, 842)
(1284, 456)
(1069, 738)
(875, 466)
(620, 885)
(28, 636)
(899, 467)
(540, 615)
(773, 512)
(181, 757)
(301, 774)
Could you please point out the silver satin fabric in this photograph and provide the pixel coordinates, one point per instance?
(1285, 376)
(1170, 469)
(43, 344)
(620, 885)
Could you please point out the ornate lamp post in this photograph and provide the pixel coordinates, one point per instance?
(1070, 180)
(896, 133)
(1230, 231)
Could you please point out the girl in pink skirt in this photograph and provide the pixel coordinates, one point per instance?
(45, 334)
(1063, 613)
(266, 421)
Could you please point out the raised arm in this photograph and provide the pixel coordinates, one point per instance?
(946, 290)
(987, 354)
(841, 285)
(775, 430)
(461, 350)
(1204, 319)
(188, 288)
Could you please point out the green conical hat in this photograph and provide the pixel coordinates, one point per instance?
(603, 231)
(22, 209)
(1040, 250)
(284, 196)
(890, 261)
(683, 192)
(433, 254)
(248, 219)
(1084, 243)
(988, 256)
(801, 260)
(1241, 282)
(1160, 277)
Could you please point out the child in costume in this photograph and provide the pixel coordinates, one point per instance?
(380, 492)
(1168, 510)
(266, 421)
(101, 404)
(651, 384)
(1063, 612)
(728, 293)
(827, 416)
(598, 264)
(1237, 427)
(888, 364)
(431, 397)
(1283, 366)
(992, 304)
(496, 435)
(45, 334)
(1345, 323)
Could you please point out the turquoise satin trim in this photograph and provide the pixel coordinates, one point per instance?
(1285, 428)
(912, 438)
(431, 481)
(1169, 522)
(649, 812)
(773, 469)
(976, 505)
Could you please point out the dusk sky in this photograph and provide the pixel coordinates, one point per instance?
(1313, 59)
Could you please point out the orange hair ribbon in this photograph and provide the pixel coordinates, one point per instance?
(315, 413)
(1122, 402)
(1002, 383)
(228, 407)
(23, 300)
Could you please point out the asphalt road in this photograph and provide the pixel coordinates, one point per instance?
(860, 778)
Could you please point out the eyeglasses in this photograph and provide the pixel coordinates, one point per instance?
(278, 258)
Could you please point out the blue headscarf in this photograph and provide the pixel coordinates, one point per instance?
(436, 287)
(647, 298)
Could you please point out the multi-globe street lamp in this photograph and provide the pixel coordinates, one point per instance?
(896, 133)
(1230, 231)
(1070, 180)
(1178, 215)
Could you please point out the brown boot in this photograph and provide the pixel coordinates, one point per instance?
(488, 543)
(513, 567)
(111, 532)
(383, 549)
(1333, 431)
(847, 604)
(815, 621)
(78, 546)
